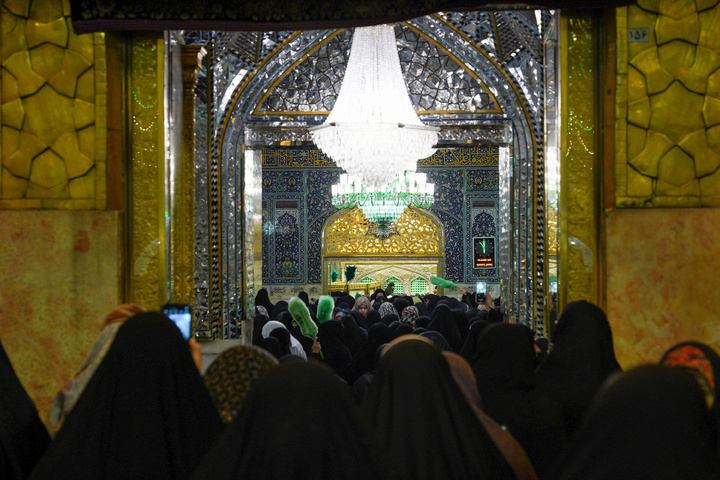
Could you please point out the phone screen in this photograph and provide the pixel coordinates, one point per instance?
(480, 289)
(553, 286)
(181, 315)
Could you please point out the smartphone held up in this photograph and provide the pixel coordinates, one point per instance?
(181, 315)
(480, 290)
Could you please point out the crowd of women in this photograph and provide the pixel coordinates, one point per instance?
(370, 388)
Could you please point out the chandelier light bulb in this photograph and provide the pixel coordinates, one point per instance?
(373, 132)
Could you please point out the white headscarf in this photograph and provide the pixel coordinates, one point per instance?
(295, 346)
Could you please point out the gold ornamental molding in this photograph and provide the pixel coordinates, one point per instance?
(182, 213)
(579, 167)
(145, 158)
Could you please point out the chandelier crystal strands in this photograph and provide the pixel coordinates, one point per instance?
(373, 132)
(386, 205)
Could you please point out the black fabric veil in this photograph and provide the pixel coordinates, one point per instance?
(469, 349)
(443, 321)
(144, 414)
(263, 298)
(582, 358)
(355, 337)
(372, 317)
(360, 319)
(304, 297)
(424, 420)
(366, 358)
(505, 358)
(298, 422)
(650, 422)
(438, 340)
(279, 307)
(504, 366)
(462, 323)
(335, 352)
(23, 437)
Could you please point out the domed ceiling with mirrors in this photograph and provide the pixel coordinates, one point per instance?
(486, 79)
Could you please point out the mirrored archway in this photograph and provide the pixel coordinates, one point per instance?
(480, 76)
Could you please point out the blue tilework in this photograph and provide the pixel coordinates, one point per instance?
(290, 158)
(314, 246)
(486, 156)
(483, 225)
(482, 180)
(283, 181)
(267, 236)
(453, 245)
(448, 190)
(481, 222)
(287, 241)
(318, 191)
(284, 239)
(299, 254)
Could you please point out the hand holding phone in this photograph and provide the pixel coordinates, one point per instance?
(480, 290)
(181, 315)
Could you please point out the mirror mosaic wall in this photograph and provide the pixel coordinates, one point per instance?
(479, 76)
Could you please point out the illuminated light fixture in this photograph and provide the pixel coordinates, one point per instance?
(373, 132)
(384, 206)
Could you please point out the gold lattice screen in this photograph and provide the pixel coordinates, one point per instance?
(418, 235)
(413, 249)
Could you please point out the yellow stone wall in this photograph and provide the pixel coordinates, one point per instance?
(668, 108)
(661, 263)
(58, 278)
(53, 113)
(662, 268)
(59, 243)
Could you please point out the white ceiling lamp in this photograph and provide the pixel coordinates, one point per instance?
(373, 132)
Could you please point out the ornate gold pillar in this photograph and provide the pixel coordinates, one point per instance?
(182, 189)
(145, 169)
(579, 276)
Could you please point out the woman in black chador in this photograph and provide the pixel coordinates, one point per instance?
(145, 413)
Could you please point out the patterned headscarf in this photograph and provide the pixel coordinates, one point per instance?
(231, 376)
(409, 314)
(386, 308)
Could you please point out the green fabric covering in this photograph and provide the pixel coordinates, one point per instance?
(301, 314)
(441, 282)
(325, 307)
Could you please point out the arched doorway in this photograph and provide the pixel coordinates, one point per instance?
(266, 102)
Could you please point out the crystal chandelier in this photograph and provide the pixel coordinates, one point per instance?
(373, 132)
(386, 205)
